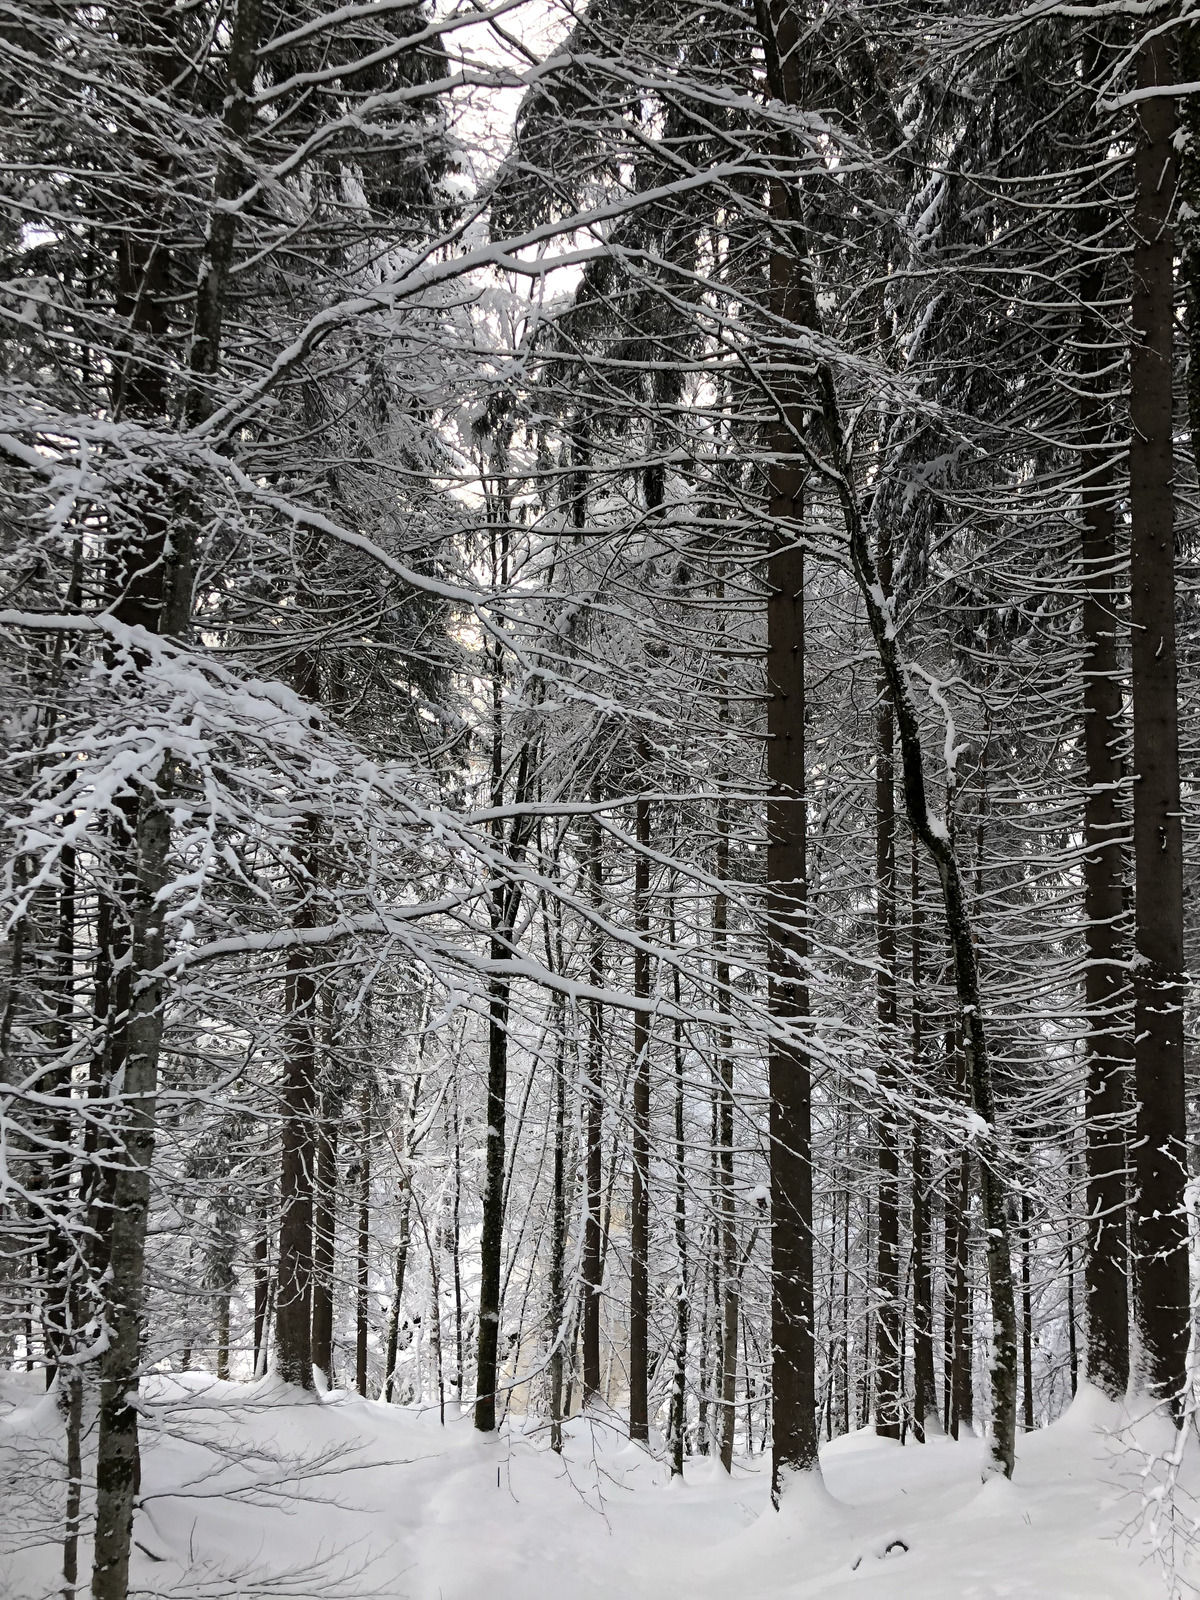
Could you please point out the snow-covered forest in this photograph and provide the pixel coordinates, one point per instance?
(599, 625)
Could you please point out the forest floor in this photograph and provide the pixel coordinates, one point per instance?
(248, 1493)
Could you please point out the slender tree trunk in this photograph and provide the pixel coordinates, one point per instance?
(887, 1280)
(924, 1386)
(492, 1237)
(678, 1424)
(72, 1519)
(727, 1202)
(262, 1278)
(402, 1247)
(364, 1245)
(293, 1306)
(558, 1246)
(1160, 1221)
(1030, 1419)
(324, 1235)
(593, 1128)
(639, 1243)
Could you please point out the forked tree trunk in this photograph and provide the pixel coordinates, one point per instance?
(1159, 982)
(778, 27)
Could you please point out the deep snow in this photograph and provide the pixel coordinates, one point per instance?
(248, 1492)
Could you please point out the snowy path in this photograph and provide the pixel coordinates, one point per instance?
(346, 1498)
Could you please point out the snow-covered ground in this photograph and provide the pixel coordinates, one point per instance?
(247, 1492)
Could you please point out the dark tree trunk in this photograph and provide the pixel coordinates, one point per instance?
(324, 1230)
(678, 1419)
(1160, 1221)
(1106, 984)
(364, 1245)
(294, 1297)
(117, 1459)
(924, 1384)
(262, 1278)
(592, 1271)
(558, 1246)
(491, 1243)
(639, 1243)
(887, 1280)
(1030, 1419)
(793, 1350)
(793, 1332)
(726, 1198)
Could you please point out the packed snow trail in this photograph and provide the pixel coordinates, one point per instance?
(247, 1492)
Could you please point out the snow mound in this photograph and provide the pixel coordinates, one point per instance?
(255, 1490)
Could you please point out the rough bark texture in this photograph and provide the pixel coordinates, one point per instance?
(362, 1286)
(639, 1243)
(1106, 988)
(924, 1385)
(592, 1270)
(793, 1348)
(324, 1216)
(117, 1462)
(298, 1138)
(888, 1381)
(727, 1225)
(1160, 1223)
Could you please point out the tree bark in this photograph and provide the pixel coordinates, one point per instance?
(730, 1292)
(361, 1305)
(1106, 985)
(924, 1384)
(593, 1127)
(117, 1459)
(887, 1277)
(639, 1242)
(1160, 1221)
(324, 1232)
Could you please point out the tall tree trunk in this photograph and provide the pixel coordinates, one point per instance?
(491, 1243)
(779, 30)
(887, 1279)
(262, 1278)
(793, 1342)
(324, 1233)
(364, 1245)
(1030, 1419)
(293, 1305)
(1106, 993)
(1160, 1221)
(678, 1419)
(639, 1242)
(117, 1459)
(727, 1203)
(558, 1245)
(924, 1385)
(793, 1350)
(591, 1286)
